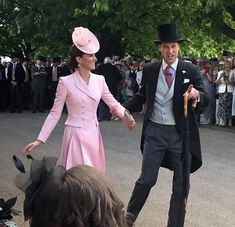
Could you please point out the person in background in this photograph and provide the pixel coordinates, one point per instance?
(112, 78)
(15, 78)
(216, 101)
(81, 91)
(121, 96)
(2, 87)
(27, 84)
(225, 82)
(163, 87)
(39, 83)
(207, 78)
(139, 75)
(54, 73)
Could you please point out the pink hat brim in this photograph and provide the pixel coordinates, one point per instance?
(92, 47)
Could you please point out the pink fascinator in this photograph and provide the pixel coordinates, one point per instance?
(85, 40)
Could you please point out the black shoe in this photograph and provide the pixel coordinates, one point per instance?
(41, 111)
(130, 219)
(19, 111)
(12, 111)
(34, 111)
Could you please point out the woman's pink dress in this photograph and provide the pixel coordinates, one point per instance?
(82, 141)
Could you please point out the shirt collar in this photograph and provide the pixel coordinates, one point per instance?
(174, 65)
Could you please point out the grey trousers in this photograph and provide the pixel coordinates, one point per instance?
(160, 140)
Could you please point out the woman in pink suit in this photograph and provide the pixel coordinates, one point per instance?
(81, 91)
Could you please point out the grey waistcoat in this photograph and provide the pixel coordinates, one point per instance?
(163, 102)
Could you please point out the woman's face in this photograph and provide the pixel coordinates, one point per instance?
(87, 61)
(226, 66)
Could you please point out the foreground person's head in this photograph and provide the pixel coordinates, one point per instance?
(78, 197)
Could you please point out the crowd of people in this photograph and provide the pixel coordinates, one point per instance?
(25, 85)
(219, 80)
(30, 85)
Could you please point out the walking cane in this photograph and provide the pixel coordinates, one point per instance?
(187, 156)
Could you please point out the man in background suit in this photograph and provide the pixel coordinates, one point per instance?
(27, 84)
(16, 78)
(2, 87)
(54, 73)
(39, 83)
(163, 86)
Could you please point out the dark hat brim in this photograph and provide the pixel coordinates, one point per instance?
(168, 41)
(38, 167)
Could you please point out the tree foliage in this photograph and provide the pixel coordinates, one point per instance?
(33, 27)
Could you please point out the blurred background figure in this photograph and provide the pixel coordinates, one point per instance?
(54, 73)
(207, 78)
(112, 78)
(15, 78)
(2, 87)
(39, 82)
(225, 82)
(26, 84)
(130, 82)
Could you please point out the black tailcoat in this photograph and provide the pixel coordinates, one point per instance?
(186, 74)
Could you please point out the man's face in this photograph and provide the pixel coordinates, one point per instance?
(169, 51)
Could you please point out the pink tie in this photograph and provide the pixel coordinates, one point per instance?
(168, 76)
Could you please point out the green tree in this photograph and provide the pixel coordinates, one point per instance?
(34, 27)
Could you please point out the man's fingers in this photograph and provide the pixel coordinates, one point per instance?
(190, 88)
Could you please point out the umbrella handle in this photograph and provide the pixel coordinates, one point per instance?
(194, 102)
(186, 104)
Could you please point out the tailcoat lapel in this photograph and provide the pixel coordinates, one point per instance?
(179, 78)
(153, 81)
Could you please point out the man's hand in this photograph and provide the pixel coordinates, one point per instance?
(192, 94)
(128, 120)
(13, 83)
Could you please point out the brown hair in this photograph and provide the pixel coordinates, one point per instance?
(73, 53)
(81, 197)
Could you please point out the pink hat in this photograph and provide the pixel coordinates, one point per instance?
(85, 40)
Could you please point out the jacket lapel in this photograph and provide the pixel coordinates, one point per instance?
(154, 80)
(179, 78)
(82, 86)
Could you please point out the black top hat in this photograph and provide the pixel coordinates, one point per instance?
(168, 33)
(15, 55)
(42, 58)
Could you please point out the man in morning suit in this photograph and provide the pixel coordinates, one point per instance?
(163, 86)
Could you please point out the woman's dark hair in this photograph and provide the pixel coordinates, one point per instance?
(73, 53)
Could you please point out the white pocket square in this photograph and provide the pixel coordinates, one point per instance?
(186, 81)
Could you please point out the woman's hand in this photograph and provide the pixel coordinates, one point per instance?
(28, 149)
(128, 120)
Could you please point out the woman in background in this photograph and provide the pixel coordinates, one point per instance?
(225, 82)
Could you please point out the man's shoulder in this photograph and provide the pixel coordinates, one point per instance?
(152, 65)
(188, 65)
